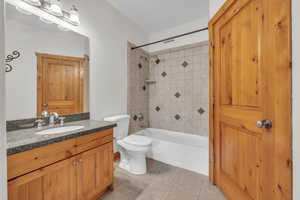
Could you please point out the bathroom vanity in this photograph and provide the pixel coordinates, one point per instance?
(70, 165)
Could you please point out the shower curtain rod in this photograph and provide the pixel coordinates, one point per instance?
(170, 38)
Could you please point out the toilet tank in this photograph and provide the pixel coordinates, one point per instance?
(122, 121)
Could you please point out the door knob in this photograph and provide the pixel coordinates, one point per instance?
(264, 124)
(45, 105)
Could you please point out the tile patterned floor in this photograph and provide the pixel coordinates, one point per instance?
(163, 182)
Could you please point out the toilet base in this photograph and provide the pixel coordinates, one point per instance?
(133, 162)
(124, 166)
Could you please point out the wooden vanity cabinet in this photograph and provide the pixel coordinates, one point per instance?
(57, 181)
(84, 176)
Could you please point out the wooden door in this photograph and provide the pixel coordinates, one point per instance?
(95, 172)
(60, 84)
(51, 183)
(250, 58)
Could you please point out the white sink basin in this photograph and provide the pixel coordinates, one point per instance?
(59, 130)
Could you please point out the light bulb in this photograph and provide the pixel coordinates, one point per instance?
(74, 16)
(62, 28)
(34, 2)
(23, 11)
(46, 20)
(55, 8)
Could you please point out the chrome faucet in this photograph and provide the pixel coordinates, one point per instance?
(53, 117)
(45, 113)
(41, 122)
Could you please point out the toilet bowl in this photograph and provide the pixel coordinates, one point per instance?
(133, 151)
(133, 148)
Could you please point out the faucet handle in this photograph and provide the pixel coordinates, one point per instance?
(45, 113)
(40, 123)
(55, 114)
(62, 120)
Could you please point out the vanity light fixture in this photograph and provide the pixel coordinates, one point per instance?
(54, 7)
(50, 7)
(21, 7)
(74, 16)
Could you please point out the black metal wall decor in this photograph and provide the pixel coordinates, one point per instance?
(15, 55)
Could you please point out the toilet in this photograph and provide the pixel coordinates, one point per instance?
(133, 148)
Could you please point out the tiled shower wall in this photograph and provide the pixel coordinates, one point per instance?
(138, 91)
(178, 101)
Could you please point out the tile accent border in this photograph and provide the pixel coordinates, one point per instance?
(157, 108)
(201, 111)
(164, 74)
(185, 64)
(177, 117)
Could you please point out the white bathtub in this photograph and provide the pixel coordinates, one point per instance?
(178, 149)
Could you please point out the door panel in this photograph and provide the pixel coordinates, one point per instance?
(60, 84)
(87, 173)
(241, 160)
(60, 184)
(62, 81)
(95, 172)
(51, 183)
(240, 77)
(250, 82)
(105, 166)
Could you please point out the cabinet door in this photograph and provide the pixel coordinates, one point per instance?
(57, 181)
(95, 172)
(105, 168)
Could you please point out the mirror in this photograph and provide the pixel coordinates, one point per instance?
(47, 67)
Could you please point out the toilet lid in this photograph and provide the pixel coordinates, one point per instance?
(137, 140)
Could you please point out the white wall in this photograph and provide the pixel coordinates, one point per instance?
(22, 81)
(189, 39)
(3, 182)
(213, 8)
(296, 96)
(108, 32)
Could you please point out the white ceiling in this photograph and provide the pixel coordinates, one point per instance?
(157, 15)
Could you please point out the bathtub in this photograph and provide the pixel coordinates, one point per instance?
(178, 149)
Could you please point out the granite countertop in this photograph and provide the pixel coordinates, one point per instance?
(27, 139)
